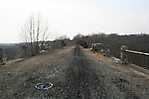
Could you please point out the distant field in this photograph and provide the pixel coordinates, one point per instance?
(11, 51)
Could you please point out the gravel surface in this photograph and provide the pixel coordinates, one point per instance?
(75, 74)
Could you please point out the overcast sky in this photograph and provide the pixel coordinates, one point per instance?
(71, 17)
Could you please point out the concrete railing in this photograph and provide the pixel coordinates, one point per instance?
(137, 52)
(138, 58)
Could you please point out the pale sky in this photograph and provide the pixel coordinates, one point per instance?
(70, 17)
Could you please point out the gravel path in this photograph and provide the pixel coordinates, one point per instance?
(75, 74)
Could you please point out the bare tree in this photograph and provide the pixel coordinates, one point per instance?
(36, 33)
